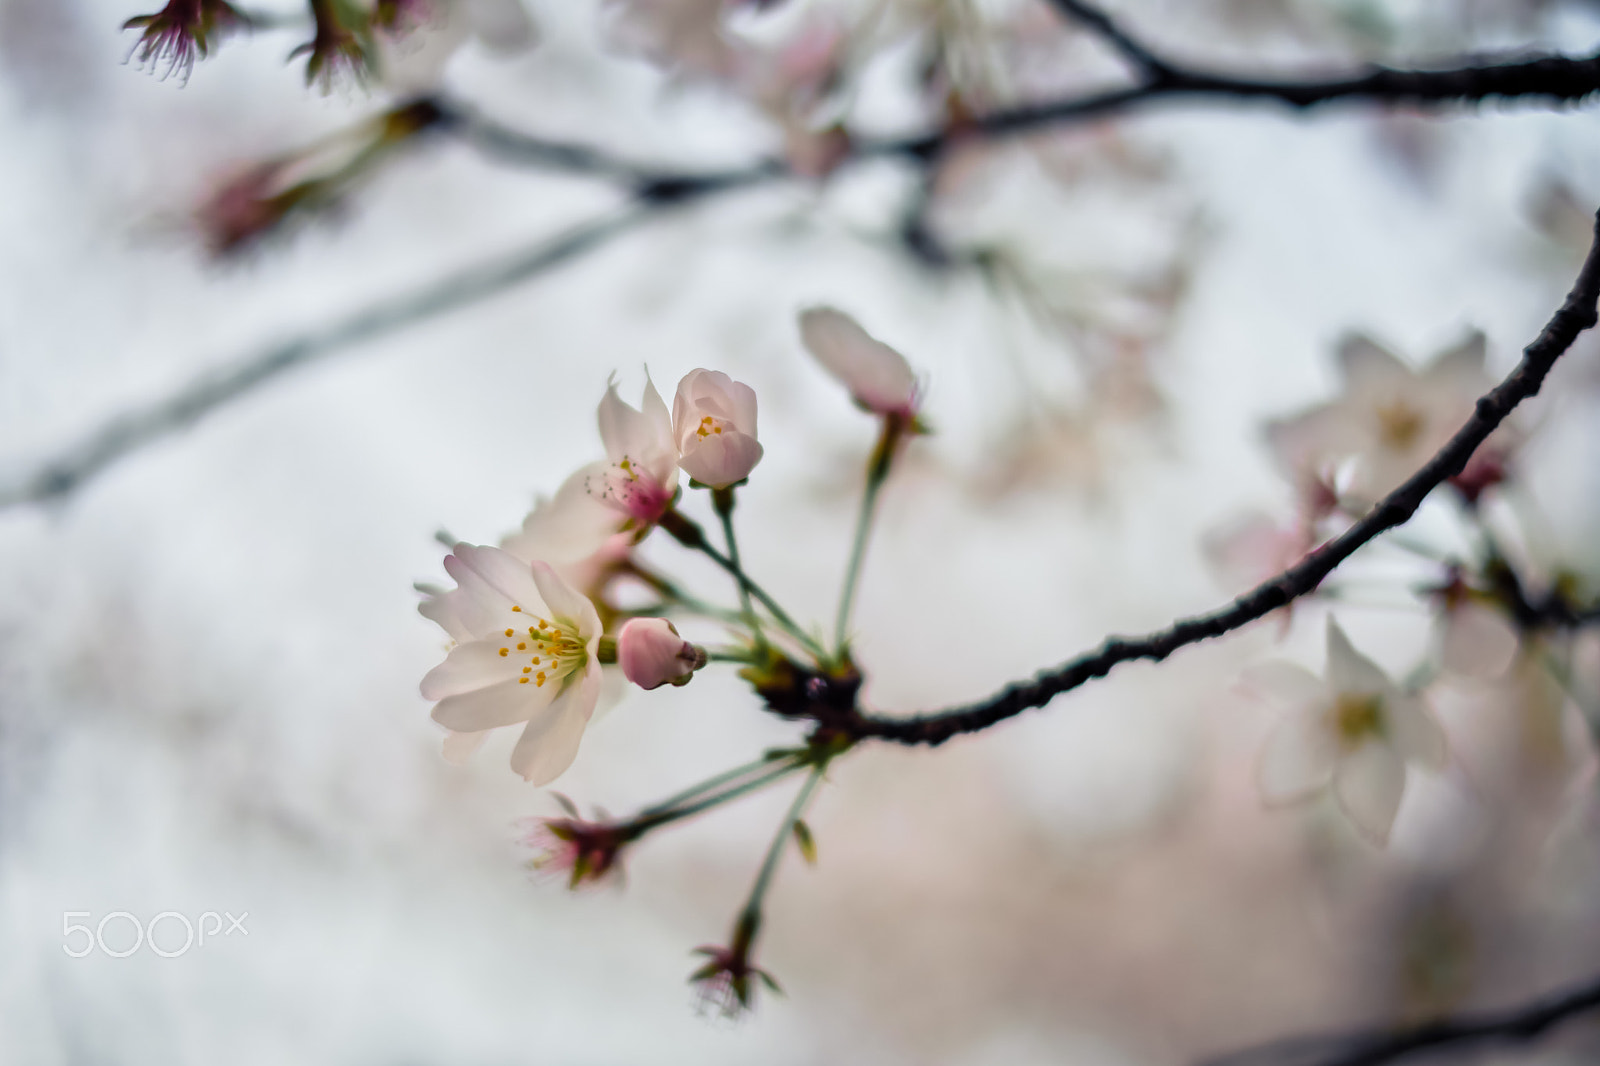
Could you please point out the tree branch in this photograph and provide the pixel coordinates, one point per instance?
(1135, 51)
(1577, 314)
(1554, 79)
(74, 465)
(1524, 1023)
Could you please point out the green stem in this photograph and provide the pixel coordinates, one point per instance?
(656, 817)
(869, 501)
(706, 786)
(750, 917)
(722, 503)
(686, 532)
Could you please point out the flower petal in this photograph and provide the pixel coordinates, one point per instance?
(878, 377)
(1351, 672)
(506, 703)
(568, 527)
(1369, 783)
(501, 572)
(1416, 735)
(503, 26)
(470, 666)
(642, 437)
(567, 603)
(1287, 685)
(1298, 758)
(1477, 642)
(459, 747)
(550, 742)
(721, 460)
(1366, 365)
(1462, 367)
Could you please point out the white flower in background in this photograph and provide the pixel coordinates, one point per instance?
(640, 475)
(1390, 419)
(714, 418)
(1475, 639)
(652, 653)
(878, 377)
(527, 650)
(1355, 730)
(418, 38)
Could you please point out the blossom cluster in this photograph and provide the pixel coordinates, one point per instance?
(1496, 608)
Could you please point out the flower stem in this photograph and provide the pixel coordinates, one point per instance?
(688, 533)
(750, 917)
(877, 473)
(722, 503)
(664, 813)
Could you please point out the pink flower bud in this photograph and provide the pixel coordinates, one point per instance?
(714, 419)
(878, 377)
(652, 654)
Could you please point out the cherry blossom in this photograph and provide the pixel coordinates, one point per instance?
(579, 850)
(640, 475)
(714, 418)
(1355, 731)
(652, 653)
(1390, 419)
(878, 377)
(527, 650)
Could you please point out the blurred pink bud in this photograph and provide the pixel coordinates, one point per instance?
(878, 377)
(714, 418)
(182, 31)
(652, 654)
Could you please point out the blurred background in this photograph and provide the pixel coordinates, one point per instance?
(209, 654)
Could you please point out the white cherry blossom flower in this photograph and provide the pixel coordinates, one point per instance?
(714, 418)
(1390, 419)
(527, 650)
(1354, 731)
(640, 475)
(878, 377)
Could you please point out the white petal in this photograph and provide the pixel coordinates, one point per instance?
(458, 747)
(1351, 672)
(550, 742)
(1298, 758)
(471, 666)
(507, 703)
(443, 609)
(1477, 642)
(1369, 783)
(1462, 368)
(507, 576)
(644, 437)
(571, 526)
(876, 375)
(1287, 685)
(721, 459)
(1366, 365)
(1416, 735)
(1306, 445)
(566, 602)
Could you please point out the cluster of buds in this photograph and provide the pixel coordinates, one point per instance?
(183, 31)
(533, 627)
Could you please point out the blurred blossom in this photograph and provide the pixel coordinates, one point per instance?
(1389, 418)
(878, 377)
(1475, 638)
(714, 418)
(527, 650)
(416, 39)
(1354, 730)
(341, 48)
(652, 653)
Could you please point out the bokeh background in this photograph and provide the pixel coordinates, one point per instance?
(209, 655)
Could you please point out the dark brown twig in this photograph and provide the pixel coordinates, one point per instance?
(1577, 314)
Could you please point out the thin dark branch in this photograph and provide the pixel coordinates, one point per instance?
(1135, 51)
(66, 471)
(1577, 314)
(1524, 1023)
(1549, 78)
